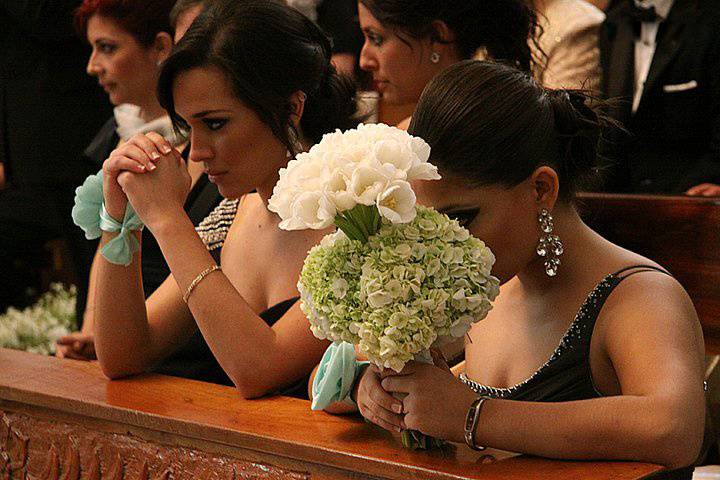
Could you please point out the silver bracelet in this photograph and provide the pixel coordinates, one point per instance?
(197, 280)
(471, 423)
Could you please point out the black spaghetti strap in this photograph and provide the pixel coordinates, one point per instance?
(638, 269)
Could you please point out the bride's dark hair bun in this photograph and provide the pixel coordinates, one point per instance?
(489, 124)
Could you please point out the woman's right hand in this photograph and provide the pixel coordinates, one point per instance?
(137, 155)
(77, 345)
(376, 405)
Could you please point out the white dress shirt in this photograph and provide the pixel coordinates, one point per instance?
(645, 45)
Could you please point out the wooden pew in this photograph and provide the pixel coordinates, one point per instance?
(680, 233)
(62, 419)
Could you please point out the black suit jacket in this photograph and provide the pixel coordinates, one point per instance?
(50, 108)
(674, 136)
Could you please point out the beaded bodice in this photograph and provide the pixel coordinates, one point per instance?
(566, 375)
(214, 228)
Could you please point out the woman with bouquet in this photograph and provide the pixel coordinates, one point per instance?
(251, 81)
(599, 356)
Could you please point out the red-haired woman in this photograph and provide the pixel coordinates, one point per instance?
(130, 39)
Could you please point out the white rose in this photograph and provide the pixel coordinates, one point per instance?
(397, 202)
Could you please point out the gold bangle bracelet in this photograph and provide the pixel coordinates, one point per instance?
(199, 279)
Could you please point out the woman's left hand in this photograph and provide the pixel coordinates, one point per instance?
(436, 403)
(159, 195)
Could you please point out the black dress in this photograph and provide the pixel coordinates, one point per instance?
(566, 376)
(195, 360)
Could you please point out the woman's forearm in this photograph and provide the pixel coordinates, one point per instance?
(89, 314)
(625, 427)
(120, 319)
(245, 346)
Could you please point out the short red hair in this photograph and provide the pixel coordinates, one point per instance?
(143, 19)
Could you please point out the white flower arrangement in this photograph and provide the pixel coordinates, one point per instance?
(36, 328)
(369, 166)
(397, 278)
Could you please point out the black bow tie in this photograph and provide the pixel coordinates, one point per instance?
(643, 14)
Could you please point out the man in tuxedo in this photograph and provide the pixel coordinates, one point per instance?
(661, 66)
(50, 109)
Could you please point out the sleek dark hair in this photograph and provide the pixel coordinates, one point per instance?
(268, 51)
(492, 124)
(143, 19)
(504, 28)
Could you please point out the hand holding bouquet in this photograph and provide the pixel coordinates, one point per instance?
(396, 278)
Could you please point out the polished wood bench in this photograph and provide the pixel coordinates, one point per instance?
(62, 419)
(680, 233)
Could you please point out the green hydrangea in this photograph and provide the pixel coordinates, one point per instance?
(36, 328)
(411, 285)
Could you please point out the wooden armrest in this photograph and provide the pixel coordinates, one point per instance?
(64, 416)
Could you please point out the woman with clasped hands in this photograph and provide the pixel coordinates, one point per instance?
(599, 356)
(249, 81)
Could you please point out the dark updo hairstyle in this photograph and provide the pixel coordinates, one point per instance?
(268, 51)
(504, 28)
(491, 124)
(143, 19)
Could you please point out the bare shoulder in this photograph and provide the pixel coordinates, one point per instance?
(649, 306)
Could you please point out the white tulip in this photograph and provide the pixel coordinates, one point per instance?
(310, 210)
(397, 202)
(423, 171)
(366, 184)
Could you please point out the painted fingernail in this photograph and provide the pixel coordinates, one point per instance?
(152, 166)
(142, 168)
(397, 408)
(165, 149)
(154, 155)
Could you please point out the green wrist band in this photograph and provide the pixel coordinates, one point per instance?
(90, 215)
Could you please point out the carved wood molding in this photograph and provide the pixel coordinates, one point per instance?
(36, 449)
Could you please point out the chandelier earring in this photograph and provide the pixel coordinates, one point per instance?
(435, 57)
(549, 247)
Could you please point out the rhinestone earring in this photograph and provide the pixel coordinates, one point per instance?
(550, 247)
(435, 57)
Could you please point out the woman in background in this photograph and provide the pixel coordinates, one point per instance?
(130, 39)
(408, 42)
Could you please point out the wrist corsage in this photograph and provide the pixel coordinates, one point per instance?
(89, 214)
(336, 375)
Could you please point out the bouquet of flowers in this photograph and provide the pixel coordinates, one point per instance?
(395, 278)
(36, 328)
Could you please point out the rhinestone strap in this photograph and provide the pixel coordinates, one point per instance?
(214, 228)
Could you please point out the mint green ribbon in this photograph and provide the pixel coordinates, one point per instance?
(90, 215)
(336, 375)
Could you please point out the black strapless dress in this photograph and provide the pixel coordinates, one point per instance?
(195, 360)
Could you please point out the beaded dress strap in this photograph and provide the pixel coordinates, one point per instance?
(214, 228)
(580, 330)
